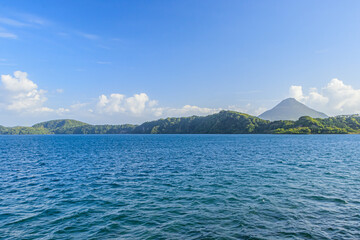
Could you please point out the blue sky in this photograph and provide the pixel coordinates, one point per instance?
(132, 61)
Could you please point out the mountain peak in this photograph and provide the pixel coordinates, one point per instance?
(290, 109)
(290, 100)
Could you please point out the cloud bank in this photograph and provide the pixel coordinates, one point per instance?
(21, 96)
(336, 98)
(119, 103)
(8, 35)
(141, 104)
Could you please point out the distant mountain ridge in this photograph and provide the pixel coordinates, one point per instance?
(290, 109)
(224, 122)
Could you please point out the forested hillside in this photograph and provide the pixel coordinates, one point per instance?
(224, 122)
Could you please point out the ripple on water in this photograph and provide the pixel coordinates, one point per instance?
(180, 187)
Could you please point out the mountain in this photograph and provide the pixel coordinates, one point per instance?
(224, 122)
(59, 124)
(290, 109)
(69, 126)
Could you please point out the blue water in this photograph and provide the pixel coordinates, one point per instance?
(180, 187)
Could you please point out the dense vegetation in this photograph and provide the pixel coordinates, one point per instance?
(23, 130)
(97, 129)
(60, 124)
(67, 126)
(224, 122)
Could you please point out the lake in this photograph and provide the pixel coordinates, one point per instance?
(180, 187)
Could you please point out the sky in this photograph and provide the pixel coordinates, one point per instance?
(115, 62)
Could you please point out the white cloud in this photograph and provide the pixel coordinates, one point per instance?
(314, 96)
(248, 109)
(23, 20)
(78, 106)
(185, 111)
(59, 90)
(137, 103)
(88, 36)
(334, 99)
(296, 92)
(153, 103)
(140, 105)
(34, 20)
(12, 22)
(4, 62)
(61, 111)
(7, 35)
(19, 21)
(21, 94)
(18, 83)
(119, 103)
(189, 110)
(111, 104)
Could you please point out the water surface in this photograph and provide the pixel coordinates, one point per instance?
(180, 187)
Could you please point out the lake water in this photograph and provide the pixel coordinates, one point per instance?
(180, 187)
